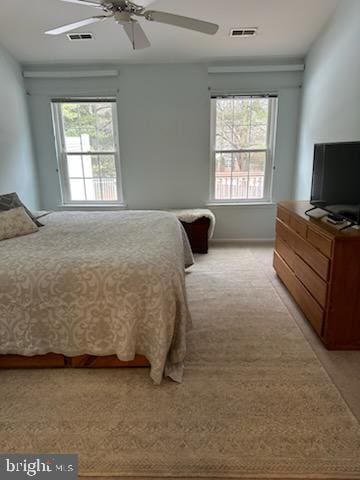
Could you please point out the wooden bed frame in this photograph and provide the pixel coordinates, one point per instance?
(53, 360)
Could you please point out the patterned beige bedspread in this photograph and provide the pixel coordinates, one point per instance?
(99, 283)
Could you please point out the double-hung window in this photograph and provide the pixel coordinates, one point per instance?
(88, 151)
(243, 142)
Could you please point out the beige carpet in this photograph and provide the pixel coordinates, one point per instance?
(255, 401)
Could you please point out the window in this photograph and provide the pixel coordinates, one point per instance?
(88, 152)
(243, 136)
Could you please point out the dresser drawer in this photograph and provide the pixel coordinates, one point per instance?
(283, 214)
(312, 310)
(285, 233)
(317, 261)
(286, 252)
(322, 243)
(314, 284)
(298, 226)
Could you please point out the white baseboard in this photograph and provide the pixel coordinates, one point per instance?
(242, 240)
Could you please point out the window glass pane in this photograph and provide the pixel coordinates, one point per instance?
(257, 175)
(223, 176)
(109, 189)
(242, 110)
(107, 165)
(101, 189)
(70, 119)
(87, 112)
(224, 124)
(77, 189)
(240, 175)
(105, 134)
(225, 138)
(223, 162)
(256, 187)
(88, 126)
(258, 137)
(242, 125)
(96, 124)
(259, 111)
(257, 163)
(93, 191)
(74, 165)
(241, 162)
(91, 165)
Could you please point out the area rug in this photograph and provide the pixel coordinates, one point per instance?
(255, 401)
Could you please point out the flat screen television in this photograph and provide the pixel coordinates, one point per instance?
(336, 179)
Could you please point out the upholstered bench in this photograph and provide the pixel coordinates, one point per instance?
(199, 225)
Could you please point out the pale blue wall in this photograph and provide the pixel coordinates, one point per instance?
(331, 91)
(17, 167)
(164, 129)
(164, 132)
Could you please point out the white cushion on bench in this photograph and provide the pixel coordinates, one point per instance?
(192, 214)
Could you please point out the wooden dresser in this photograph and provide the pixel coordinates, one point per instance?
(320, 266)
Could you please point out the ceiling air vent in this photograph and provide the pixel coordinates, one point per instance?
(243, 32)
(79, 36)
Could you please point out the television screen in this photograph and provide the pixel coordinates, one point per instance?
(336, 179)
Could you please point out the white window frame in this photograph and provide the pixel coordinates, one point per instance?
(270, 152)
(62, 154)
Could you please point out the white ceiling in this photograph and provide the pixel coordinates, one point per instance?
(286, 28)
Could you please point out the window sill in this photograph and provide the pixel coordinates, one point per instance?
(240, 204)
(93, 206)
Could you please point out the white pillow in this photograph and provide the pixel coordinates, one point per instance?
(16, 222)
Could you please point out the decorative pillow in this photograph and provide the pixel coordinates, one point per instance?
(9, 201)
(16, 222)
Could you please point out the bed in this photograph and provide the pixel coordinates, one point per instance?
(98, 284)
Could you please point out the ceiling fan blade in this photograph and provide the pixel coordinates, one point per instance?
(73, 26)
(136, 35)
(87, 3)
(183, 22)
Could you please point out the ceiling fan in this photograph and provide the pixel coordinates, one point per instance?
(124, 12)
